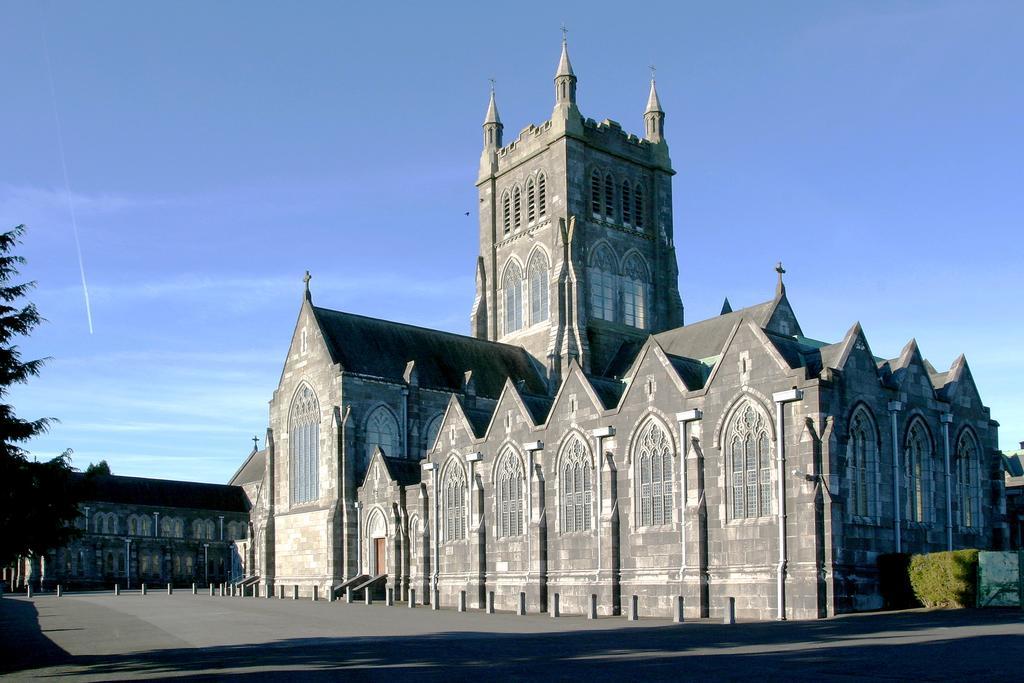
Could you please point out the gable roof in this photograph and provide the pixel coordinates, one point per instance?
(252, 470)
(381, 348)
(160, 492)
(706, 338)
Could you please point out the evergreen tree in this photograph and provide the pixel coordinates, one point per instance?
(98, 468)
(37, 502)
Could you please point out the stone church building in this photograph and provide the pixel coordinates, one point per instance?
(583, 441)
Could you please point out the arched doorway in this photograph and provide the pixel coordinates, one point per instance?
(377, 536)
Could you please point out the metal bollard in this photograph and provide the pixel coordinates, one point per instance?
(435, 599)
(634, 608)
(677, 616)
(412, 598)
(521, 608)
(195, 591)
(295, 592)
(389, 597)
(730, 611)
(592, 612)
(211, 590)
(143, 587)
(316, 593)
(367, 596)
(117, 590)
(348, 595)
(170, 589)
(255, 590)
(28, 590)
(462, 601)
(59, 592)
(490, 602)
(555, 606)
(280, 592)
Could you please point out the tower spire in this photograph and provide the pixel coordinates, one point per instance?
(654, 115)
(492, 123)
(565, 78)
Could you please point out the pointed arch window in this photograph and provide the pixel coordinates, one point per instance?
(862, 464)
(517, 207)
(531, 201)
(577, 498)
(915, 471)
(653, 461)
(538, 276)
(609, 196)
(749, 454)
(510, 485)
(382, 432)
(634, 292)
(454, 488)
(506, 212)
(512, 288)
(304, 443)
(595, 193)
(433, 427)
(542, 196)
(602, 284)
(638, 208)
(627, 204)
(967, 482)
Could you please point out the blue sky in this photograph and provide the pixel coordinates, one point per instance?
(218, 150)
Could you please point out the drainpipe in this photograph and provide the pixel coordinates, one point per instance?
(946, 419)
(156, 524)
(221, 527)
(531, 448)
(600, 434)
(359, 538)
(781, 398)
(895, 407)
(435, 541)
(683, 419)
(405, 422)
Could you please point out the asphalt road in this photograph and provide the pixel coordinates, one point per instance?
(102, 637)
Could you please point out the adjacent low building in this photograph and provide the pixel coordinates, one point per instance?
(138, 530)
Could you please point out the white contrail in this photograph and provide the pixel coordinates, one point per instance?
(67, 182)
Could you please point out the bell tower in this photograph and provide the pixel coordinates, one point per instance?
(577, 252)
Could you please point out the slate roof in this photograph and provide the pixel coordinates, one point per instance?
(404, 472)
(707, 337)
(381, 348)
(539, 406)
(609, 391)
(160, 492)
(252, 469)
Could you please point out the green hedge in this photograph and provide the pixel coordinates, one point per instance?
(947, 579)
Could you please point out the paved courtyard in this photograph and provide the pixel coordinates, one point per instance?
(102, 637)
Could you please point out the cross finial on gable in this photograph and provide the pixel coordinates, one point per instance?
(306, 278)
(565, 33)
(780, 288)
(255, 443)
(653, 69)
(492, 83)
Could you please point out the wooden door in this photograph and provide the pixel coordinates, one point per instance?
(379, 556)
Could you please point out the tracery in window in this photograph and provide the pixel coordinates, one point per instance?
(512, 286)
(602, 273)
(542, 196)
(967, 481)
(634, 292)
(652, 459)
(304, 445)
(509, 486)
(517, 208)
(749, 445)
(531, 201)
(574, 477)
(454, 488)
(595, 193)
(862, 459)
(917, 456)
(382, 432)
(538, 276)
